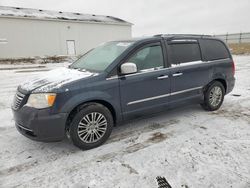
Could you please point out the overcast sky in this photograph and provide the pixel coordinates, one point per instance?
(159, 16)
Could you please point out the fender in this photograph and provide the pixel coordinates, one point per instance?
(219, 75)
(80, 98)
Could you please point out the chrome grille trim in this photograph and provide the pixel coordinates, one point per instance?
(18, 100)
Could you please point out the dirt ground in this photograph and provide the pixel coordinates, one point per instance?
(240, 48)
(188, 146)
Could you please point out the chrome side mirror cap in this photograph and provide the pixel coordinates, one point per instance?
(128, 68)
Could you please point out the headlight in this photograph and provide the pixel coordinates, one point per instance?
(41, 100)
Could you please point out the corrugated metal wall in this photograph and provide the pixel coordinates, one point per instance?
(28, 37)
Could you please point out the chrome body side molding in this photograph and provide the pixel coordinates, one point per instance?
(165, 95)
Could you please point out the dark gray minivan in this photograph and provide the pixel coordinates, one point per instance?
(121, 80)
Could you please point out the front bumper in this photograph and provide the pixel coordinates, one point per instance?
(40, 125)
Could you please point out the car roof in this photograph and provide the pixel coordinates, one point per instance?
(170, 37)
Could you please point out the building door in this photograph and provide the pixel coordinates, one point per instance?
(71, 47)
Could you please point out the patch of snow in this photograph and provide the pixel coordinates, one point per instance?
(47, 14)
(55, 79)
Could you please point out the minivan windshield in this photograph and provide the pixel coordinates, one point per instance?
(99, 58)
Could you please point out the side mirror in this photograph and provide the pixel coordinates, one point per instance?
(128, 68)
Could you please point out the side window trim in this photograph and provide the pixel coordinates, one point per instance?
(201, 54)
(187, 63)
(200, 62)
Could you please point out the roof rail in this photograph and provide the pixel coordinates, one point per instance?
(181, 35)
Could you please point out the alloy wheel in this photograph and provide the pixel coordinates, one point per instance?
(92, 127)
(215, 96)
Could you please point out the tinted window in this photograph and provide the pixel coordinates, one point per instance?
(148, 58)
(184, 52)
(213, 50)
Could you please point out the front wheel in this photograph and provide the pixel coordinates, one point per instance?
(213, 96)
(91, 126)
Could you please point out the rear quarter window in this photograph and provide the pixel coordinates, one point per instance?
(213, 50)
(184, 52)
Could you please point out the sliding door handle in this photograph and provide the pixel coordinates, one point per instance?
(162, 77)
(177, 74)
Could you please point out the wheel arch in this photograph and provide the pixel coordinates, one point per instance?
(223, 81)
(80, 106)
(218, 79)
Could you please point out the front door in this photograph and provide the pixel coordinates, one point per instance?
(150, 86)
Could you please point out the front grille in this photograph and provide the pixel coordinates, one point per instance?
(18, 100)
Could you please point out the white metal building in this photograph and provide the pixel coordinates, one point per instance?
(28, 32)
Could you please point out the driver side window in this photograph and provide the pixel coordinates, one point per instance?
(148, 58)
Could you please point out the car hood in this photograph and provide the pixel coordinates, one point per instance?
(55, 79)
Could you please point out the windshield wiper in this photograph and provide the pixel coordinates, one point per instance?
(77, 68)
(71, 67)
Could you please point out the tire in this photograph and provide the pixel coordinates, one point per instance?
(84, 132)
(213, 96)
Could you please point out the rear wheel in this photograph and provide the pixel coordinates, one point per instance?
(91, 126)
(213, 96)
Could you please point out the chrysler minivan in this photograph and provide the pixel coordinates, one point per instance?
(120, 80)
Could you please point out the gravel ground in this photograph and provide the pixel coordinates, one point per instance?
(188, 146)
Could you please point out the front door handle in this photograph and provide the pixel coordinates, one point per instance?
(177, 74)
(162, 77)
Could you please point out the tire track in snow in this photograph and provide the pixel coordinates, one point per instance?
(119, 137)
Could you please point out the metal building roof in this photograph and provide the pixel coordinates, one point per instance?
(18, 12)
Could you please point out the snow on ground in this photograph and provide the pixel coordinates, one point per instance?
(188, 146)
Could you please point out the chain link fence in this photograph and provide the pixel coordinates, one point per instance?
(239, 43)
(235, 38)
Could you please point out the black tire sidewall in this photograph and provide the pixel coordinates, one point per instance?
(207, 104)
(93, 107)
